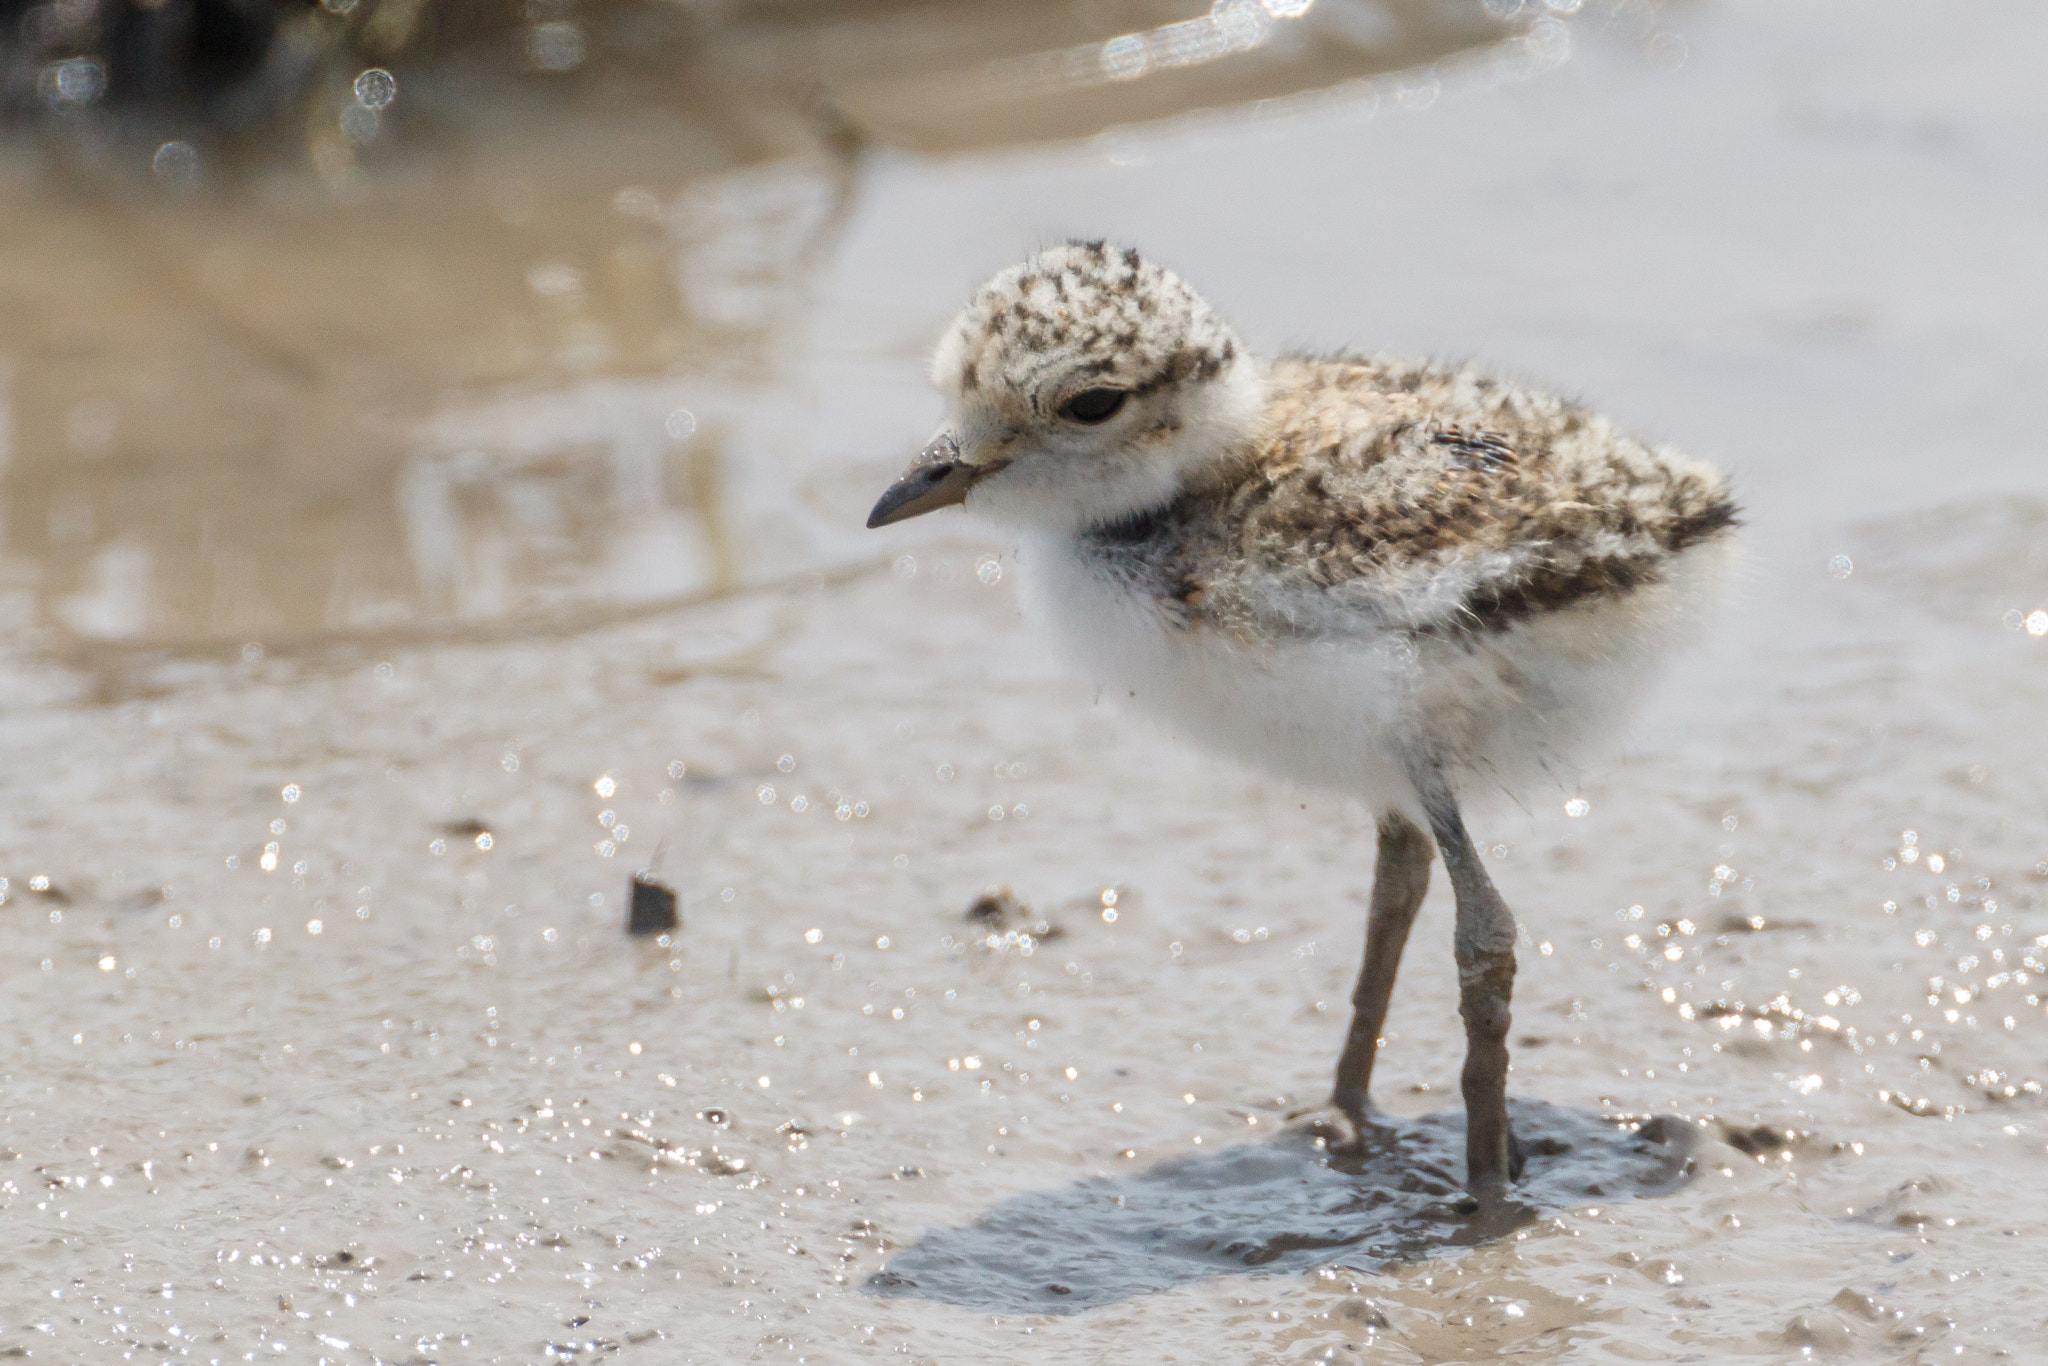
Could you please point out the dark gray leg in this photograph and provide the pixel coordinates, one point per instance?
(1485, 942)
(1399, 879)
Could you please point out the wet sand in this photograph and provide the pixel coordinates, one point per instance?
(318, 813)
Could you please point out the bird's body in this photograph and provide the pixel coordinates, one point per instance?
(1387, 578)
(1408, 557)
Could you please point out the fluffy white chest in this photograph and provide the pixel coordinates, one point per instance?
(1353, 709)
(1328, 713)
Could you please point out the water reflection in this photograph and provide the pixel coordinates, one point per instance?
(426, 374)
(246, 422)
(570, 492)
(987, 75)
(1281, 1206)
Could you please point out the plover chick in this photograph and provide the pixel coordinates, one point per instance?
(1391, 578)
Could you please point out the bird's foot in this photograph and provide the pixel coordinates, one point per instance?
(1491, 1195)
(1332, 1129)
(1339, 1126)
(1493, 1209)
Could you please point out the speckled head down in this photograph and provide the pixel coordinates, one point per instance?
(1170, 389)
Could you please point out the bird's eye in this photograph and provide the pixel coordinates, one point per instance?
(1093, 405)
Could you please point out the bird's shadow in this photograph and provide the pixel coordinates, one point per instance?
(1282, 1205)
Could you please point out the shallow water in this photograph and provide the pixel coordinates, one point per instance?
(362, 644)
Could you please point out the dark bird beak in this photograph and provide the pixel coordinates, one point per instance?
(938, 478)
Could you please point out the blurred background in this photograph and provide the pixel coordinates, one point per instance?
(326, 317)
(435, 437)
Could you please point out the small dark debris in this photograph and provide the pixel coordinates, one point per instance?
(997, 907)
(715, 1117)
(864, 1232)
(1912, 1105)
(1055, 1288)
(653, 908)
(1757, 924)
(344, 1257)
(1000, 911)
(467, 829)
(146, 898)
(716, 1163)
(889, 1280)
(1762, 1139)
(48, 889)
(578, 1321)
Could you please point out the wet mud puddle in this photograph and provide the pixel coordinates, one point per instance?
(1283, 1207)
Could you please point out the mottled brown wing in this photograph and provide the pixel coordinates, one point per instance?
(1612, 529)
(1461, 528)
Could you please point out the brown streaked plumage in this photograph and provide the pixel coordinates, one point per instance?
(1371, 474)
(1388, 577)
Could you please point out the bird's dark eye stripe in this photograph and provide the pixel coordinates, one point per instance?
(1093, 405)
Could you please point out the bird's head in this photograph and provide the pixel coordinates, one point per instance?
(1084, 386)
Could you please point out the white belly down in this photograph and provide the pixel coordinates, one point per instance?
(1353, 713)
